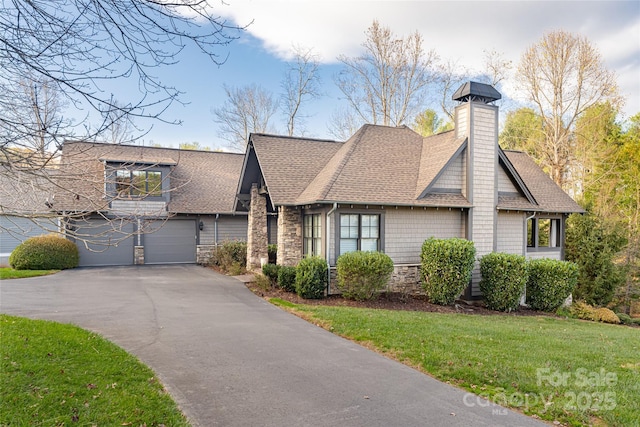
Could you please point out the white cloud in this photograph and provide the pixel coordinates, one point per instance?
(458, 30)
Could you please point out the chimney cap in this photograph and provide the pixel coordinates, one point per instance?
(474, 91)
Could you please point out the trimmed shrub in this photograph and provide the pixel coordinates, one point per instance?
(262, 282)
(311, 277)
(361, 275)
(231, 257)
(605, 315)
(625, 319)
(271, 271)
(287, 278)
(446, 268)
(49, 252)
(272, 251)
(582, 310)
(550, 283)
(504, 277)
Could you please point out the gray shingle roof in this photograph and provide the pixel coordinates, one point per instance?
(290, 164)
(201, 181)
(387, 166)
(548, 195)
(26, 193)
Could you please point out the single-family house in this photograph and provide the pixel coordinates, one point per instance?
(128, 204)
(389, 189)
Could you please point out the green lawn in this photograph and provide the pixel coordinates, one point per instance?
(576, 372)
(10, 273)
(55, 374)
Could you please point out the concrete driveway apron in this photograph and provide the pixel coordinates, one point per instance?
(230, 358)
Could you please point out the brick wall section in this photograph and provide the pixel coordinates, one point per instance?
(289, 235)
(138, 255)
(257, 237)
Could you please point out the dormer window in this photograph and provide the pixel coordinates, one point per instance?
(138, 183)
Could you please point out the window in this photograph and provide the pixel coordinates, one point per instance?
(543, 233)
(312, 235)
(138, 183)
(359, 232)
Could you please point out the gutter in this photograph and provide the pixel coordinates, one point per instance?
(215, 230)
(328, 226)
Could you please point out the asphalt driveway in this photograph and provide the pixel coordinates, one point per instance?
(231, 359)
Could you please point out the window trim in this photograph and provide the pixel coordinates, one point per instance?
(535, 228)
(316, 240)
(114, 172)
(360, 213)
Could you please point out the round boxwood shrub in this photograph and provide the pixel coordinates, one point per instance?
(48, 252)
(504, 277)
(446, 268)
(287, 278)
(550, 283)
(361, 275)
(271, 271)
(311, 277)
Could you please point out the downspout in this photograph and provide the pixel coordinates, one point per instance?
(328, 221)
(523, 300)
(215, 230)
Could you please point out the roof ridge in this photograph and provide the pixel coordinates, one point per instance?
(351, 145)
(300, 138)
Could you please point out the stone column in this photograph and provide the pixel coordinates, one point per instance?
(257, 236)
(289, 235)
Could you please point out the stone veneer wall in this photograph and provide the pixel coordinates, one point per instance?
(257, 236)
(404, 279)
(138, 255)
(204, 253)
(289, 235)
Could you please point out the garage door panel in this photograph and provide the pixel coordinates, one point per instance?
(103, 243)
(172, 241)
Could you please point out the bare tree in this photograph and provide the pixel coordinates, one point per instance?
(247, 109)
(343, 124)
(69, 53)
(450, 76)
(77, 47)
(563, 75)
(387, 84)
(301, 83)
(117, 127)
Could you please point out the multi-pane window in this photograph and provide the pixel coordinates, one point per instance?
(138, 183)
(312, 235)
(543, 233)
(359, 232)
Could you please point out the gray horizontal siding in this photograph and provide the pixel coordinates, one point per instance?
(510, 238)
(407, 229)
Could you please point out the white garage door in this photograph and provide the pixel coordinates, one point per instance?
(102, 243)
(170, 242)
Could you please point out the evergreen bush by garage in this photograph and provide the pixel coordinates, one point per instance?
(48, 252)
(361, 275)
(446, 268)
(287, 278)
(504, 277)
(271, 271)
(550, 283)
(311, 277)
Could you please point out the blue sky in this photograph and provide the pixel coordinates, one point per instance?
(457, 30)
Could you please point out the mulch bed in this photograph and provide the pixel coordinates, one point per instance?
(393, 301)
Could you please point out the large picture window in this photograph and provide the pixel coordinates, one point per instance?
(138, 183)
(312, 235)
(544, 233)
(359, 232)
